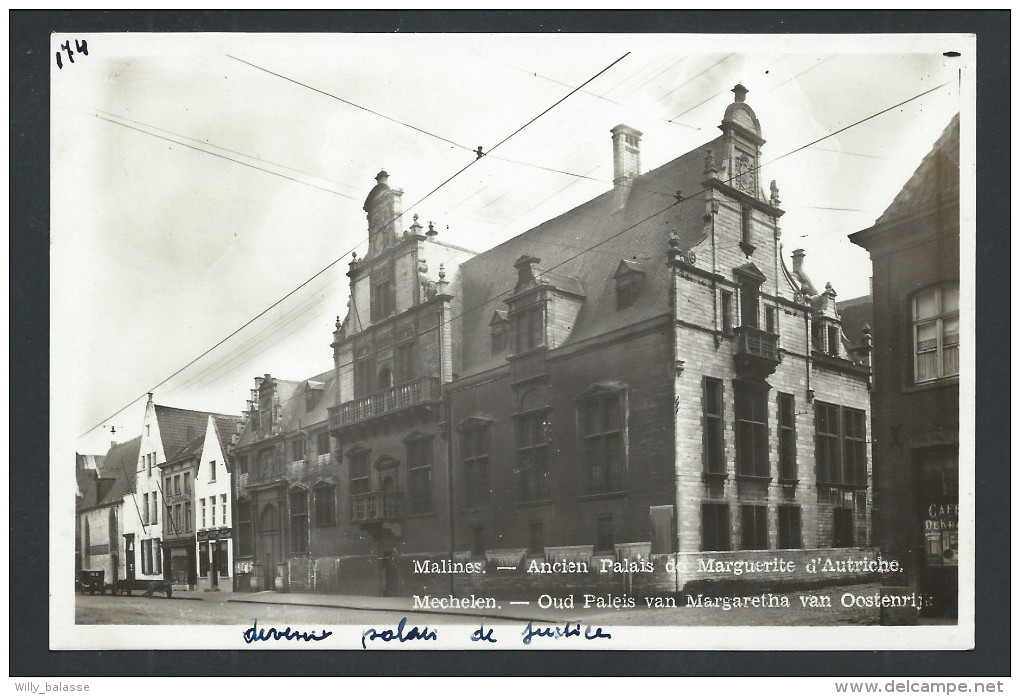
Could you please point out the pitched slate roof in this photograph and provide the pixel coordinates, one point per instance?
(85, 479)
(88, 461)
(178, 427)
(854, 314)
(226, 426)
(296, 416)
(193, 448)
(118, 470)
(638, 231)
(934, 183)
(120, 460)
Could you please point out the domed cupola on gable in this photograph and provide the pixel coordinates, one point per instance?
(383, 206)
(742, 143)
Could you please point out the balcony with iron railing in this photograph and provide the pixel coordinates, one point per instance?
(381, 506)
(756, 351)
(386, 401)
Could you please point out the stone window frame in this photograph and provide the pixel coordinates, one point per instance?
(713, 445)
(751, 428)
(754, 527)
(786, 432)
(324, 503)
(245, 540)
(419, 503)
(715, 526)
(359, 470)
(789, 527)
(476, 456)
(602, 394)
(841, 457)
(299, 543)
(532, 437)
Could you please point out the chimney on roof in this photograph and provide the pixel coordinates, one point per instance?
(150, 397)
(626, 162)
(525, 266)
(626, 153)
(798, 262)
(807, 286)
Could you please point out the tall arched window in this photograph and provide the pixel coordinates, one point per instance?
(114, 527)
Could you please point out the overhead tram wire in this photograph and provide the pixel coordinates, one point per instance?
(708, 69)
(216, 154)
(602, 97)
(350, 103)
(342, 256)
(567, 260)
(694, 196)
(452, 142)
(686, 198)
(232, 361)
(219, 147)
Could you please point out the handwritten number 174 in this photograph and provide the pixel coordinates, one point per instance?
(81, 47)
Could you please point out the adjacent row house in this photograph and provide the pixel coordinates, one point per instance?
(915, 253)
(159, 525)
(103, 503)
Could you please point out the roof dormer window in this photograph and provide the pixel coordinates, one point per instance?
(629, 278)
(498, 328)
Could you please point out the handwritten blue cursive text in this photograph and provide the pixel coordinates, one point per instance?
(399, 635)
(255, 634)
(569, 630)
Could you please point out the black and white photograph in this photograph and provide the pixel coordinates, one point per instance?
(464, 341)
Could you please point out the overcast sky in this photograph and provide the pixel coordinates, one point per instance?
(169, 233)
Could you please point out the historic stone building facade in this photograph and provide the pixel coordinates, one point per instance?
(341, 479)
(915, 253)
(637, 384)
(674, 389)
(285, 477)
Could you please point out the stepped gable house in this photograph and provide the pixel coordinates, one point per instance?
(915, 254)
(285, 480)
(674, 388)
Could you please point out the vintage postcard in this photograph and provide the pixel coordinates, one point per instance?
(512, 341)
